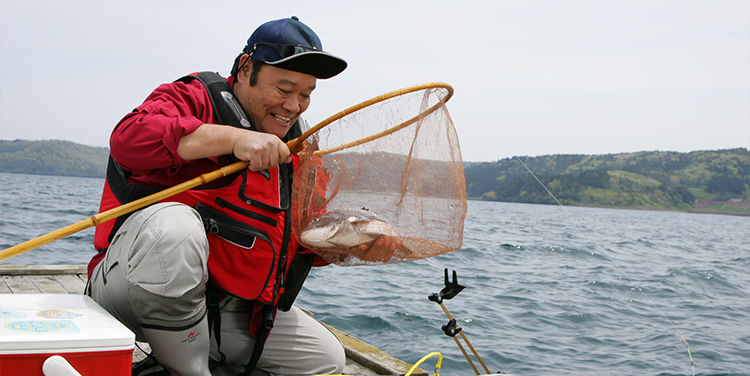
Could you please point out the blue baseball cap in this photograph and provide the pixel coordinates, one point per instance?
(289, 44)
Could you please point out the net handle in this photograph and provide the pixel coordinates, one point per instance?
(113, 213)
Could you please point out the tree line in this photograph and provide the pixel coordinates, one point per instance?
(649, 179)
(656, 179)
(53, 157)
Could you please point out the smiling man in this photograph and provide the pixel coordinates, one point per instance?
(208, 277)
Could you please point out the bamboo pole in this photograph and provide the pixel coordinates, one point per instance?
(120, 210)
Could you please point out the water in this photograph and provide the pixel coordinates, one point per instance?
(34, 205)
(549, 290)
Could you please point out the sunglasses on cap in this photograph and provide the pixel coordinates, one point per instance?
(284, 50)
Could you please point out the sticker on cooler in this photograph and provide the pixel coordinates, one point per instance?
(57, 314)
(11, 315)
(35, 326)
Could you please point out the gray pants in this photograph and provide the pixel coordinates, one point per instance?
(154, 276)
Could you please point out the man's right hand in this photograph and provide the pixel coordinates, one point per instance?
(262, 150)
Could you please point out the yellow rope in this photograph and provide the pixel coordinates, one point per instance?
(437, 366)
(416, 365)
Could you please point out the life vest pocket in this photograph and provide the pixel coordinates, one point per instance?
(283, 173)
(228, 228)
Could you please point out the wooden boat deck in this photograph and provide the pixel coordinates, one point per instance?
(362, 358)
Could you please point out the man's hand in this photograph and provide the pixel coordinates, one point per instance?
(380, 250)
(262, 150)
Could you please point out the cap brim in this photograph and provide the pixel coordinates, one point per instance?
(317, 63)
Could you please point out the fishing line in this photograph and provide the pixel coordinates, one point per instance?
(690, 355)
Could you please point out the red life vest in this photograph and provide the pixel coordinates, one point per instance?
(246, 216)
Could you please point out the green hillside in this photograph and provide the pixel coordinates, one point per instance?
(647, 180)
(715, 181)
(53, 157)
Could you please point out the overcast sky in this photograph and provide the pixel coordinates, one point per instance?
(530, 77)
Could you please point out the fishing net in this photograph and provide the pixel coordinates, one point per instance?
(388, 168)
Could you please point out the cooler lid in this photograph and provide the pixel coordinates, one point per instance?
(34, 323)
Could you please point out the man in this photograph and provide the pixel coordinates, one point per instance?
(153, 271)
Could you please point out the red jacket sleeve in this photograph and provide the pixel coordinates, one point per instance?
(147, 138)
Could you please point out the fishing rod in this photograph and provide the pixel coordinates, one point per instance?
(450, 290)
(690, 355)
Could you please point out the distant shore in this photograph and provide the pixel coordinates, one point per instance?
(710, 181)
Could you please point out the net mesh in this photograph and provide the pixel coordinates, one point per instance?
(390, 168)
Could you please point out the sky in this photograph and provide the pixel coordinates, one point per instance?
(531, 77)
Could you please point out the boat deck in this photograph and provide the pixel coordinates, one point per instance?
(362, 358)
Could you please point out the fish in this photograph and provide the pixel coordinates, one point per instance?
(345, 228)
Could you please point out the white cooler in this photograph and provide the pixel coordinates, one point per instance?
(34, 327)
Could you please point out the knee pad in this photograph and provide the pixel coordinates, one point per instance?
(167, 313)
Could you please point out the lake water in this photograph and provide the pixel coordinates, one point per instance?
(549, 290)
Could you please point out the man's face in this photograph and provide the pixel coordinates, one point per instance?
(277, 100)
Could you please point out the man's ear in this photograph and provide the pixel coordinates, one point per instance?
(246, 65)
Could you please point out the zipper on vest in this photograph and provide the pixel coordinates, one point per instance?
(283, 204)
(230, 229)
(280, 275)
(247, 213)
(214, 227)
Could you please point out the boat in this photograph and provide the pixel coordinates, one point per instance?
(361, 358)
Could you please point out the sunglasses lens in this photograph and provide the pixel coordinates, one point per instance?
(289, 50)
(284, 50)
